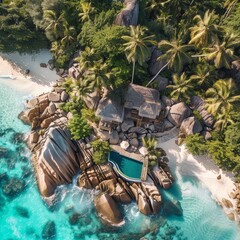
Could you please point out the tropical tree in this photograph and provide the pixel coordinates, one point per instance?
(223, 120)
(69, 34)
(176, 54)
(54, 23)
(220, 99)
(206, 31)
(203, 75)
(223, 54)
(99, 75)
(56, 49)
(182, 87)
(137, 46)
(80, 90)
(86, 58)
(86, 11)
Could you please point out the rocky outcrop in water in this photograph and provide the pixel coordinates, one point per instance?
(107, 210)
(56, 161)
(129, 15)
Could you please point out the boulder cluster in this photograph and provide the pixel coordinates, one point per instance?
(235, 195)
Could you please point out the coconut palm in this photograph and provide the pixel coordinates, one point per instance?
(69, 35)
(219, 98)
(182, 87)
(80, 89)
(99, 76)
(223, 119)
(223, 54)
(86, 11)
(206, 31)
(229, 5)
(137, 46)
(53, 22)
(86, 58)
(176, 54)
(56, 49)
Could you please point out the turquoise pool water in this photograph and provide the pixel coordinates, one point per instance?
(202, 217)
(127, 167)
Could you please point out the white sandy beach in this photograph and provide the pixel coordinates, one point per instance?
(39, 79)
(203, 168)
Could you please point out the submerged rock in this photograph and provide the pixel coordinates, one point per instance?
(74, 218)
(172, 208)
(22, 211)
(107, 210)
(13, 187)
(49, 230)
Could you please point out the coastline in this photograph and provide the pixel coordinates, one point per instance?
(29, 83)
(202, 167)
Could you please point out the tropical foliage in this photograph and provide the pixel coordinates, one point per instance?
(100, 151)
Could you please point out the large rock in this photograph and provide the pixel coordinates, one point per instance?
(57, 161)
(155, 64)
(199, 105)
(235, 69)
(129, 15)
(116, 190)
(114, 137)
(147, 197)
(190, 125)
(64, 96)
(89, 178)
(162, 82)
(54, 97)
(107, 210)
(128, 123)
(178, 113)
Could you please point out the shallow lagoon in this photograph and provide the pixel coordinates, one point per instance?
(24, 216)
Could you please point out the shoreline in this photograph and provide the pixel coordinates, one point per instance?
(29, 83)
(207, 172)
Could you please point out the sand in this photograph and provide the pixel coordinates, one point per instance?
(203, 168)
(39, 79)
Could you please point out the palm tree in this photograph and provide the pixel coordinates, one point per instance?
(176, 54)
(223, 119)
(203, 75)
(86, 58)
(182, 87)
(136, 46)
(223, 54)
(99, 75)
(54, 22)
(229, 5)
(206, 31)
(69, 35)
(80, 89)
(56, 49)
(86, 11)
(220, 99)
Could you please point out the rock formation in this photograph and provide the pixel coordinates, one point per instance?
(129, 15)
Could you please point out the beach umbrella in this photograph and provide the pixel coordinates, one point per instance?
(124, 145)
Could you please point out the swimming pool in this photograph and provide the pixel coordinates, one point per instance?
(128, 168)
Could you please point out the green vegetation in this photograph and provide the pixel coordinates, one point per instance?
(79, 127)
(100, 151)
(198, 40)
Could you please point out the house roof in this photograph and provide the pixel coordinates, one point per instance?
(143, 99)
(110, 110)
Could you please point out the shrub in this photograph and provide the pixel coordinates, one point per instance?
(78, 127)
(100, 151)
(196, 144)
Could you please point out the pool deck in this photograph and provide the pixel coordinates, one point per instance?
(135, 156)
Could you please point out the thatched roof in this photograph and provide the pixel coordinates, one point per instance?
(143, 99)
(110, 110)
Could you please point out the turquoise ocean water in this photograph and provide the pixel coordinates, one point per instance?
(24, 216)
